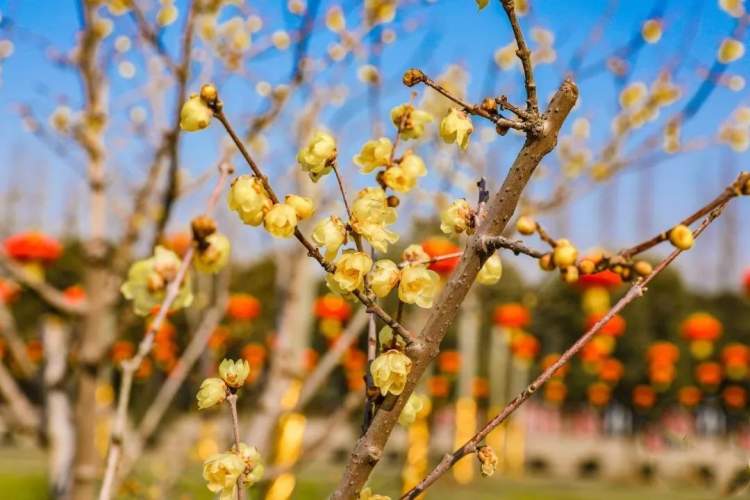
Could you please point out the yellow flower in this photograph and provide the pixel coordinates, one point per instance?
(214, 256)
(651, 30)
(413, 406)
(481, 4)
(414, 121)
(565, 254)
(389, 371)
(632, 95)
(487, 460)
(457, 218)
(413, 165)
(370, 215)
(397, 179)
(351, 269)
(415, 253)
(384, 276)
(303, 206)
(491, 271)
(166, 15)
(377, 235)
(734, 8)
(681, 237)
(213, 391)
(148, 280)
(318, 156)
(331, 234)
(253, 463)
(221, 472)
(388, 340)
(730, 50)
(249, 199)
(456, 127)
(374, 154)
(526, 225)
(234, 373)
(281, 220)
(195, 114)
(367, 494)
(418, 286)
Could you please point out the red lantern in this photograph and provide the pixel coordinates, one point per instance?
(735, 354)
(605, 279)
(613, 327)
(332, 307)
(449, 362)
(701, 326)
(663, 352)
(599, 393)
(689, 396)
(243, 307)
(746, 281)
(644, 396)
(439, 386)
(179, 242)
(122, 350)
(33, 246)
(480, 387)
(355, 360)
(611, 370)
(438, 247)
(512, 315)
(254, 354)
(555, 391)
(524, 346)
(734, 397)
(708, 373)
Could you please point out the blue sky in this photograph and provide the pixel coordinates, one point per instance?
(447, 31)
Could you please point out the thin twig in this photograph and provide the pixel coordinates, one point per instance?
(232, 401)
(492, 243)
(523, 53)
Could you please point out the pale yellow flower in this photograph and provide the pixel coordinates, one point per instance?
(195, 114)
(414, 121)
(249, 199)
(221, 472)
(413, 165)
(487, 460)
(335, 20)
(398, 180)
(351, 269)
(331, 234)
(370, 215)
(375, 153)
(730, 50)
(491, 271)
(148, 279)
(413, 406)
(457, 218)
(253, 463)
(734, 8)
(415, 253)
(318, 156)
(384, 276)
(213, 391)
(389, 371)
(681, 237)
(418, 286)
(234, 373)
(166, 15)
(281, 220)
(651, 30)
(633, 94)
(456, 127)
(303, 205)
(214, 256)
(367, 494)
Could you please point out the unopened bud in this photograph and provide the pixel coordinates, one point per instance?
(569, 274)
(203, 226)
(586, 266)
(487, 460)
(545, 262)
(413, 76)
(489, 105)
(393, 201)
(209, 94)
(526, 225)
(681, 237)
(565, 254)
(643, 268)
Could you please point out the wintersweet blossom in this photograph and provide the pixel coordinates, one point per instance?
(213, 391)
(413, 406)
(491, 271)
(375, 153)
(456, 127)
(254, 467)
(331, 234)
(410, 121)
(383, 277)
(148, 280)
(370, 215)
(249, 199)
(351, 269)
(214, 255)
(281, 220)
(413, 165)
(418, 286)
(318, 156)
(221, 472)
(234, 373)
(389, 371)
(397, 179)
(303, 205)
(195, 114)
(457, 218)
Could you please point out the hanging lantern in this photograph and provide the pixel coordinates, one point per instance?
(614, 327)
(599, 394)
(439, 386)
(122, 350)
(145, 369)
(34, 250)
(735, 397)
(332, 307)
(437, 247)
(689, 396)
(661, 374)
(604, 279)
(746, 281)
(178, 242)
(736, 358)
(708, 373)
(449, 362)
(550, 359)
(524, 347)
(611, 371)
(701, 326)
(663, 352)
(644, 397)
(255, 355)
(511, 315)
(555, 391)
(218, 338)
(480, 388)
(243, 307)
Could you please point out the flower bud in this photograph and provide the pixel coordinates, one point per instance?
(526, 225)
(491, 271)
(569, 274)
(681, 237)
(586, 266)
(413, 76)
(546, 263)
(393, 201)
(281, 220)
(642, 268)
(383, 277)
(213, 391)
(456, 127)
(415, 253)
(487, 460)
(389, 371)
(303, 206)
(249, 199)
(209, 94)
(564, 254)
(457, 218)
(234, 373)
(202, 226)
(213, 255)
(195, 114)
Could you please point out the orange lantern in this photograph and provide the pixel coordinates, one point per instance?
(355, 360)
(254, 354)
(613, 327)
(599, 394)
(735, 397)
(605, 279)
(551, 359)
(145, 369)
(661, 374)
(555, 391)
(33, 246)
(9, 291)
(122, 350)
(243, 307)
(512, 315)
(663, 352)
(708, 373)
(689, 396)
(701, 326)
(644, 396)
(592, 354)
(355, 381)
(218, 338)
(736, 358)
(480, 387)
(611, 370)
(165, 333)
(332, 307)
(439, 386)
(524, 346)
(34, 350)
(449, 362)
(74, 294)
(438, 247)
(179, 242)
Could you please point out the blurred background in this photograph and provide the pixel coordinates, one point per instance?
(656, 402)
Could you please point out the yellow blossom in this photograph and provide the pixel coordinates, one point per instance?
(734, 8)
(413, 406)
(221, 472)
(214, 256)
(351, 269)
(234, 373)
(253, 464)
(457, 218)
(303, 205)
(418, 286)
(370, 215)
(281, 220)
(389, 371)
(505, 57)
(375, 153)
(195, 114)
(415, 253)
(491, 271)
(318, 156)
(730, 50)
(367, 494)
(565, 254)
(410, 121)
(384, 276)
(397, 179)
(167, 15)
(249, 199)
(335, 20)
(331, 234)
(651, 30)
(413, 165)
(487, 460)
(456, 127)
(681, 237)
(632, 95)
(148, 279)
(380, 11)
(213, 391)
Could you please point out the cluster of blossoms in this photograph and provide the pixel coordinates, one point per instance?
(242, 465)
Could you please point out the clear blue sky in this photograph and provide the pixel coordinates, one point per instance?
(448, 31)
